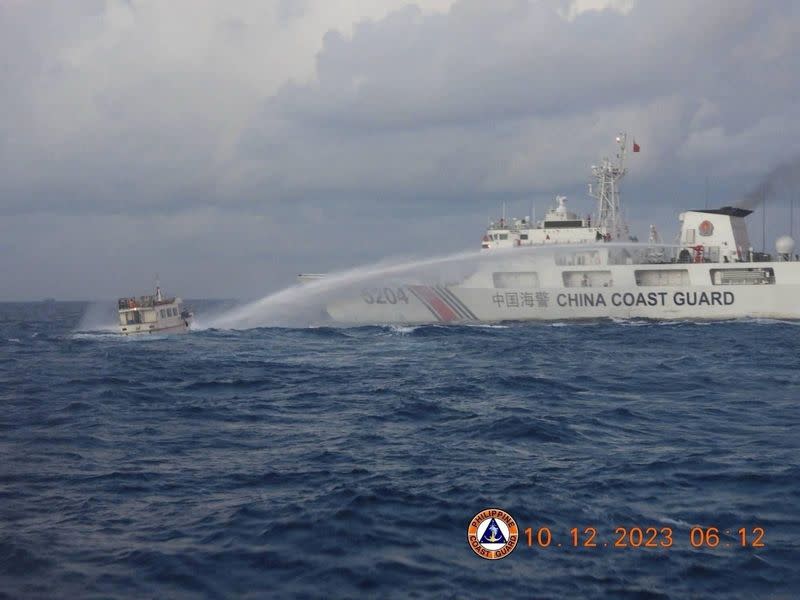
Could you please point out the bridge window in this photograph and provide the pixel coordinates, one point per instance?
(665, 277)
(563, 224)
(516, 280)
(587, 279)
(757, 276)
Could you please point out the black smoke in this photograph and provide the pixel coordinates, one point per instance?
(783, 177)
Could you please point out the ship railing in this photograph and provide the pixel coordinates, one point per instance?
(131, 303)
(142, 302)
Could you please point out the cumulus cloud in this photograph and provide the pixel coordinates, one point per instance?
(284, 129)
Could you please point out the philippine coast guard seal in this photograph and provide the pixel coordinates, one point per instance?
(492, 533)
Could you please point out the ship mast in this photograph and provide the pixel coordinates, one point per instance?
(606, 190)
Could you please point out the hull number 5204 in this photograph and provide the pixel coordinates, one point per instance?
(384, 296)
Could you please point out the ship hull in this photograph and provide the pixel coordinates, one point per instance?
(416, 304)
(456, 304)
(183, 327)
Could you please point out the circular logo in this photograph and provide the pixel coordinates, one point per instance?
(492, 534)
(706, 228)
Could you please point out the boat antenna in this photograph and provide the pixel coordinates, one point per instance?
(158, 289)
(607, 176)
(763, 221)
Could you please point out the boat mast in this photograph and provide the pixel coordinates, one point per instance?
(606, 190)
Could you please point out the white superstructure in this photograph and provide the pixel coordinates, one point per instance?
(559, 226)
(153, 314)
(566, 266)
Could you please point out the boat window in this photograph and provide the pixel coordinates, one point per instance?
(653, 277)
(563, 224)
(503, 236)
(134, 318)
(517, 280)
(758, 276)
(587, 279)
(523, 236)
(163, 313)
(568, 259)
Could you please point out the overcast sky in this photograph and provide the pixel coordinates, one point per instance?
(229, 145)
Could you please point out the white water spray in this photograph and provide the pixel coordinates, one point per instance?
(304, 304)
(99, 316)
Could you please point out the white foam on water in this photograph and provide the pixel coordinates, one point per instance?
(767, 321)
(96, 335)
(631, 322)
(403, 329)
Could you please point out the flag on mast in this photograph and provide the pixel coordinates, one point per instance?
(635, 146)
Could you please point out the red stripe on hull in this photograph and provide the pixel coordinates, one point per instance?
(439, 306)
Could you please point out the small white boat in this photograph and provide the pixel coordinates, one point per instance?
(153, 314)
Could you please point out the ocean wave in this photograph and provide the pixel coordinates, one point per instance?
(346, 462)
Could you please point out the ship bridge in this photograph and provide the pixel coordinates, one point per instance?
(559, 226)
(718, 235)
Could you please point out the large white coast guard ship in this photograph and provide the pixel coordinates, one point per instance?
(570, 267)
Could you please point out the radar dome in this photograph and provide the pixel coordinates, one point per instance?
(784, 245)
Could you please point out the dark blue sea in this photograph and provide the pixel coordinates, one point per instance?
(346, 463)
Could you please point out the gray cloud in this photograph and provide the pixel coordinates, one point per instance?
(247, 141)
